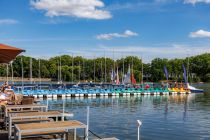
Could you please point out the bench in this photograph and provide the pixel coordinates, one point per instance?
(30, 117)
(17, 121)
(48, 128)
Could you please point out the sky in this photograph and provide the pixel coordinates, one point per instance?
(114, 28)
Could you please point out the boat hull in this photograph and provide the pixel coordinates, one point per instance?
(197, 90)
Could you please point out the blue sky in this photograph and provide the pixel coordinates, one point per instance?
(148, 28)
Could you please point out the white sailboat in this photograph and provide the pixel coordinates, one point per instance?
(191, 88)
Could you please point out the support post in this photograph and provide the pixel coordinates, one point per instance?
(139, 123)
(47, 105)
(88, 111)
(75, 134)
(63, 110)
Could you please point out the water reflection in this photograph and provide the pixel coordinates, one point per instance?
(164, 117)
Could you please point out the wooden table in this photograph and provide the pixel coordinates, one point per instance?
(31, 107)
(40, 128)
(31, 115)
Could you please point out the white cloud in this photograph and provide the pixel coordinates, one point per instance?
(76, 8)
(199, 34)
(196, 1)
(8, 21)
(110, 36)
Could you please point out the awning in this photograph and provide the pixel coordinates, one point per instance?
(8, 53)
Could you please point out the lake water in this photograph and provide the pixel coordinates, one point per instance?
(171, 117)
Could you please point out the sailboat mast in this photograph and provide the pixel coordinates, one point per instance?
(40, 73)
(72, 71)
(83, 68)
(142, 71)
(113, 68)
(101, 70)
(188, 68)
(79, 71)
(31, 70)
(132, 66)
(105, 67)
(60, 70)
(123, 71)
(94, 69)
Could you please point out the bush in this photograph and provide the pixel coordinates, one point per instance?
(207, 77)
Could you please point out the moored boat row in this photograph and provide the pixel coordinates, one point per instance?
(101, 92)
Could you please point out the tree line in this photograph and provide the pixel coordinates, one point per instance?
(74, 69)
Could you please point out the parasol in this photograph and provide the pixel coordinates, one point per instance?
(8, 53)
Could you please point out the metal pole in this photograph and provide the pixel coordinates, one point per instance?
(87, 129)
(22, 73)
(7, 73)
(63, 110)
(139, 123)
(12, 72)
(47, 105)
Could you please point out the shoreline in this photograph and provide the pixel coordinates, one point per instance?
(19, 79)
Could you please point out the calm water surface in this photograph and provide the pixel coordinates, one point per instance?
(174, 117)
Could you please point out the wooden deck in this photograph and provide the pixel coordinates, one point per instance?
(4, 136)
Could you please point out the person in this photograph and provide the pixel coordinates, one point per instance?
(7, 93)
(147, 86)
(4, 86)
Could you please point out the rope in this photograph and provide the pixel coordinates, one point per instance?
(95, 134)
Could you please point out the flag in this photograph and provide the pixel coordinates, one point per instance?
(112, 75)
(166, 72)
(184, 73)
(133, 80)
